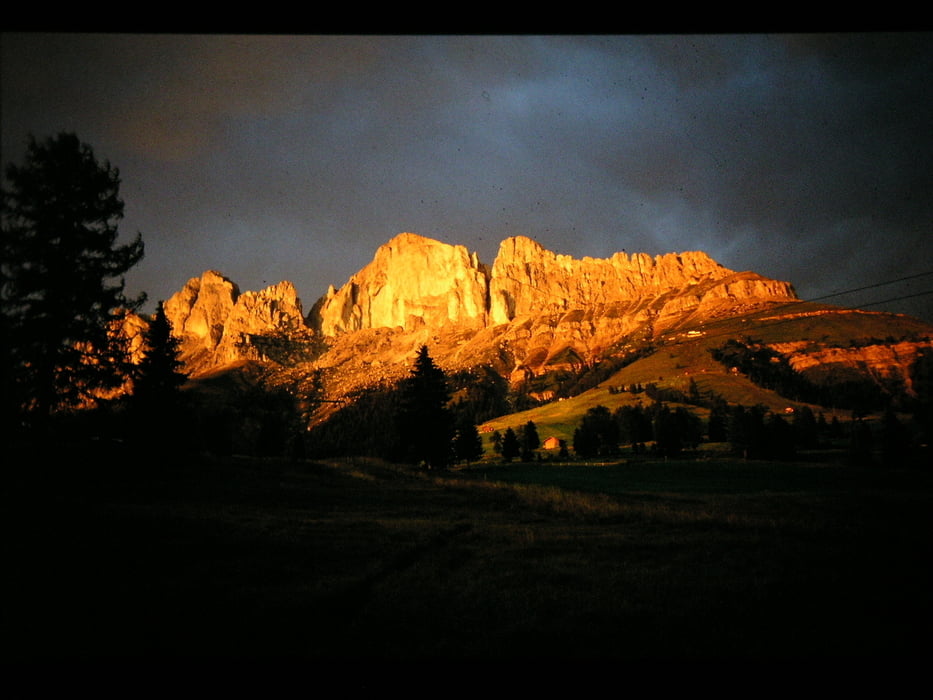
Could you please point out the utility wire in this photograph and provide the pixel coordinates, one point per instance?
(879, 284)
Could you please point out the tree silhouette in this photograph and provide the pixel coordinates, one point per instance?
(61, 280)
(895, 440)
(426, 421)
(585, 442)
(497, 442)
(159, 374)
(598, 433)
(468, 445)
(510, 445)
(529, 440)
(717, 425)
(746, 431)
(158, 377)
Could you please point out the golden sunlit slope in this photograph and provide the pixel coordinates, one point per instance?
(685, 356)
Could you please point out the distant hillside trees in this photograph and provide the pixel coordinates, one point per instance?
(480, 393)
(770, 370)
(662, 430)
(635, 426)
(413, 420)
(668, 430)
(718, 421)
(675, 430)
(598, 433)
(364, 425)
(61, 279)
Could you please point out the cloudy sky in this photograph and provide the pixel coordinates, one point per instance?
(805, 158)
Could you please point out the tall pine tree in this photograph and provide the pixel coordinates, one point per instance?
(468, 445)
(62, 278)
(426, 423)
(159, 376)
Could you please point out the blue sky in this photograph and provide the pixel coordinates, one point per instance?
(267, 157)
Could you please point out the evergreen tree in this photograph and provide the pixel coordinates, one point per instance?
(497, 442)
(895, 440)
(780, 443)
(510, 445)
(157, 381)
(529, 440)
(585, 441)
(668, 432)
(861, 442)
(717, 425)
(426, 422)
(806, 428)
(62, 278)
(468, 445)
(746, 431)
(159, 376)
(633, 424)
(598, 433)
(562, 453)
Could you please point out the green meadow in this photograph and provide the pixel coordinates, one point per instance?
(117, 558)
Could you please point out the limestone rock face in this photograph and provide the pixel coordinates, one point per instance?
(533, 310)
(411, 281)
(545, 310)
(583, 307)
(415, 281)
(275, 309)
(215, 322)
(529, 280)
(198, 312)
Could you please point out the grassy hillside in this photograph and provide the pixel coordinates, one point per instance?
(683, 356)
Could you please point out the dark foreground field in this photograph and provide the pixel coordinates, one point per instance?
(356, 561)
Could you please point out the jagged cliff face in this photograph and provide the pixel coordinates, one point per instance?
(216, 323)
(528, 280)
(412, 281)
(533, 309)
(415, 281)
(548, 310)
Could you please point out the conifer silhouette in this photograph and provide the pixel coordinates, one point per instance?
(426, 422)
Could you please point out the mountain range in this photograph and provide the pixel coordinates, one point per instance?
(535, 318)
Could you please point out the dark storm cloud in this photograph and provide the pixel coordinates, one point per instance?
(800, 157)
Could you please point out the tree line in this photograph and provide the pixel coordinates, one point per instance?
(415, 420)
(771, 370)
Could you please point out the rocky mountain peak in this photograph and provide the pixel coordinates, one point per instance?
(412, 281)
(532, 308)
(216, 322)
(415, 281)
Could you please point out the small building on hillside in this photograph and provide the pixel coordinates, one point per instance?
(552, 443)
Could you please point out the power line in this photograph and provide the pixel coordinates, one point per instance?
(906, 296)
(879, 284)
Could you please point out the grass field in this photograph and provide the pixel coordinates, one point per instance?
(360, 560)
